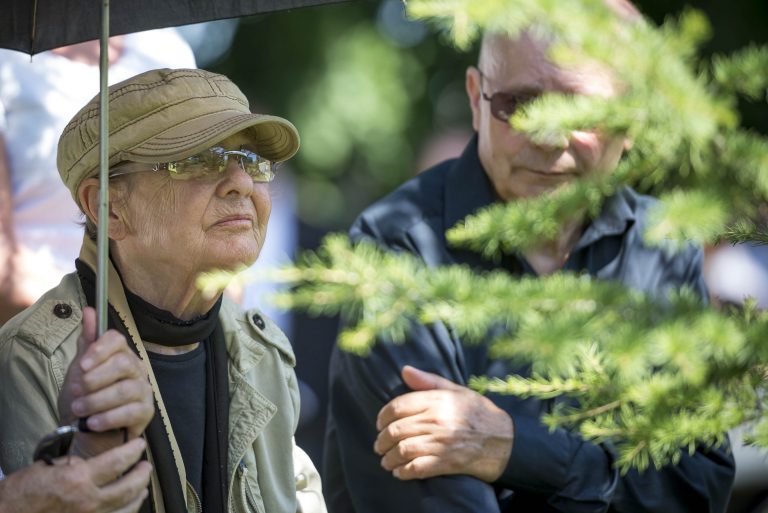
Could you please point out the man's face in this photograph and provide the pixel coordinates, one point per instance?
(517, 167)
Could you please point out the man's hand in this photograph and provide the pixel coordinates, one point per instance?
(107, 383)
(442, 428)
(73, 485)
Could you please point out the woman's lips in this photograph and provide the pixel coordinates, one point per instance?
(235, 221)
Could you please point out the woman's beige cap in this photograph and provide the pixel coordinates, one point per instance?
(165, 115)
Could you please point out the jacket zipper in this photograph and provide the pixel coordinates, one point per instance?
(198, 504)
(247, 494)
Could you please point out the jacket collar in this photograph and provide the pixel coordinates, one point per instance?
(467, 187)
(467, 190)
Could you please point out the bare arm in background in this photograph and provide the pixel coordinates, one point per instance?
(12, 298)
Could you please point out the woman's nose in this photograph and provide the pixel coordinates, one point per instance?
(235, 179)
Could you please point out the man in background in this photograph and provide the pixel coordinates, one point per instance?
(405, 433)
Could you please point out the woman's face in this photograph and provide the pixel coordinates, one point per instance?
(216, 222)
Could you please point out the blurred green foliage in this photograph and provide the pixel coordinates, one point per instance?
(363, 101)
(366, 97)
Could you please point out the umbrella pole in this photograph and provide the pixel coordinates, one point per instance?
(102, 240)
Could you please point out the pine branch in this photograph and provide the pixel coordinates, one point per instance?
(759, 434)
(695, 216)
(581, 416)
(744, 156)
(517, 226)
(744, 231)
(528, 387)
(644, 375)
(650, 376)
(743, 72)
(687, 33)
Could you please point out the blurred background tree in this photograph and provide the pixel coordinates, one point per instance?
(364, 86)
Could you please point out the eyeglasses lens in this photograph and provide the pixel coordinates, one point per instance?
(214, 161)
(504, 105)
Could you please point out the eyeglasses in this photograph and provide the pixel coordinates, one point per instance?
(58, 443)
(207, 164)
(504, 104)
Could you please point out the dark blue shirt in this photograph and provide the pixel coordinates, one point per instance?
(547, 471)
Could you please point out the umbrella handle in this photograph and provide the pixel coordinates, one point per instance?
(102, 241)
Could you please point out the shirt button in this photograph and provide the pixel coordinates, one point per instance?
(258, 321)
(301, 481)
(62, 311)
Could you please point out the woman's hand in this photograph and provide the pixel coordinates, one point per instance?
(107, 384)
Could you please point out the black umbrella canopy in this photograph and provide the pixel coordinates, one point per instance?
(33, 26)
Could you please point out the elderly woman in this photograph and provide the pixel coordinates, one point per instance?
(190, 168)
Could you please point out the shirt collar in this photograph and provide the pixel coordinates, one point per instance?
(616, 215)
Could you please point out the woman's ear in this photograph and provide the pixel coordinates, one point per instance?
(88, 194)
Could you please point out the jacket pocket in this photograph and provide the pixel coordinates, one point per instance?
(247, 495)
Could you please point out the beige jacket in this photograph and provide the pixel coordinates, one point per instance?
(268, 473)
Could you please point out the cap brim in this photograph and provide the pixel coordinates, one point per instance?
(274, 138)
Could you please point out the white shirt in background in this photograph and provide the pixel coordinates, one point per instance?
(38, 97)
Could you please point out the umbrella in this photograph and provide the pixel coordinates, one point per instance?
(38, 25)
(33, 26)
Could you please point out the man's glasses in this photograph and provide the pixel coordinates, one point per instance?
(207, 164)
(504, 104)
